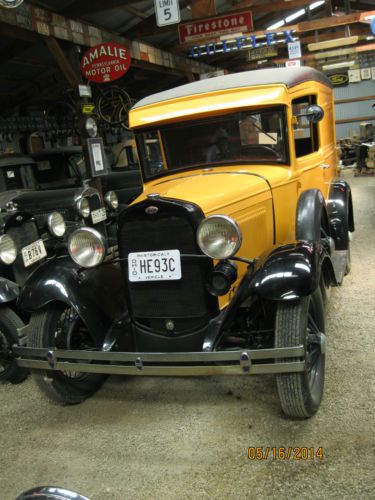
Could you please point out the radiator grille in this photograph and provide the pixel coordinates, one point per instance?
(187, 298)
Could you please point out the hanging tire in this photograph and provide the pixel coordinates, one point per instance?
(9, 371)
(302, 323)
(59, 326)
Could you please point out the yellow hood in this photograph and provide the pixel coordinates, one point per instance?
(212, 191)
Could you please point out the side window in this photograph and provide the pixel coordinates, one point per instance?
(306, 138)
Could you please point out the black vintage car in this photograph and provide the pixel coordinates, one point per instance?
(37, 188)
(21, 251)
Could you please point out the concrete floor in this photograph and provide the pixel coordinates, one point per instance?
(188, 438)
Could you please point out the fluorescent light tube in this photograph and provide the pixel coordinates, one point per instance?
(299, 13)
(315, 5)
(276, 25)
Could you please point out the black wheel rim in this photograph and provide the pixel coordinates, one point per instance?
(314, 355)
(72, 334)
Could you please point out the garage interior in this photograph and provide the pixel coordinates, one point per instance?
(186, 437)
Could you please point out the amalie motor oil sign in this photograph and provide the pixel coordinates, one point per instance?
(105, 62)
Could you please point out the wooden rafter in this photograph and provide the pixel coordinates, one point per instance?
(82, 7)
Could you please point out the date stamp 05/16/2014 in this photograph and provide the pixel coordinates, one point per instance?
(289, 453)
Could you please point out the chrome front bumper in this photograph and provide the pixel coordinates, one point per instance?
(240, 362)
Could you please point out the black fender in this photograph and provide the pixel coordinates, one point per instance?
(96, 294)
(340, 213)
(288, 272)
(9, 291)
(310, 216)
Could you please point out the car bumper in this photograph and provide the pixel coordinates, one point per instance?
(239, 362)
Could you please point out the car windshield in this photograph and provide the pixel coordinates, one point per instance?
(246, 137)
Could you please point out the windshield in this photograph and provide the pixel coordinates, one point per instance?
(256, 136)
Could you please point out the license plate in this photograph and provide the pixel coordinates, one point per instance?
(98, 215)
(33, 252)
(159, 265)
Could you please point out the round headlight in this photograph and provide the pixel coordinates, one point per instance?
(91, 127)
(56, 224)
(87, 247)
(111, 199)
(83, 207)
(8, 249)
(219, 237)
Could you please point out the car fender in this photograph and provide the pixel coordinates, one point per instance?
(9, 291)
(288, 272)
(96, 294)
(310, 215)
(340, 212)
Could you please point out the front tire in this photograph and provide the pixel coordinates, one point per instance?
(302, 323)
(59, 326)
(9, 371)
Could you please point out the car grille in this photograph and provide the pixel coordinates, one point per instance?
(185, 301)
(23, 234)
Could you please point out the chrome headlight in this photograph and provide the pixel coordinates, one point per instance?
(87, 247)
(56, 224)
(91, 127)
(111, 199)
(219, 237)
(83, 207)
(8, 249)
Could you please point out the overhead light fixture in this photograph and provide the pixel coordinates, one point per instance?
(315, 5)
(276, 25)
(299, 13)
(343, 64)
(330, 44)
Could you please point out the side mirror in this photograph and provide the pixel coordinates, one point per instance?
(314, 113)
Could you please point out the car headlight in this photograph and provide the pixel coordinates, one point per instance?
(56, 224)
(91, 127)
(87, 247)
(83, 207)
(111, 199)
(219, 237)
(8, 249)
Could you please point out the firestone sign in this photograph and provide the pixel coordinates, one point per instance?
(215, 26)
(105, 62)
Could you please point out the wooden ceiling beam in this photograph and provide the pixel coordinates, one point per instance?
(8, 31)
(149, 28)
(304, 27)
(82, 7)
(353, 4)
(72, 76)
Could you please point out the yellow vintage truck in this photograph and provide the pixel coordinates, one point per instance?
(226, 258)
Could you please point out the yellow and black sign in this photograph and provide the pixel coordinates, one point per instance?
(88, 108)
(339, 79)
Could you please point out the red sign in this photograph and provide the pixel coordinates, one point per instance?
(105, 62)
(239, 22)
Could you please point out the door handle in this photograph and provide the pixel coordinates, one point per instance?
(325, 165)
